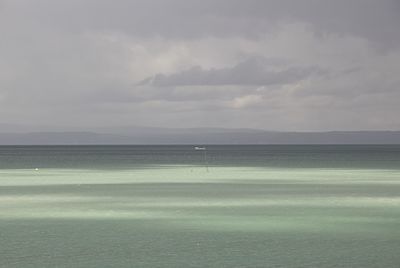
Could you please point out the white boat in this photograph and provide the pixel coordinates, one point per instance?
(199, 148)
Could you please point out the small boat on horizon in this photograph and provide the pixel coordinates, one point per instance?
(199, 148)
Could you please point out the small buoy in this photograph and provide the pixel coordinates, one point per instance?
(36, 169)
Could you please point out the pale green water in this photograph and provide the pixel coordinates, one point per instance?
(258, 206)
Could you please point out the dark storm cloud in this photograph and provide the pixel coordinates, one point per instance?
(252, 72)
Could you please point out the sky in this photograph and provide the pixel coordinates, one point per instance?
(287, 65)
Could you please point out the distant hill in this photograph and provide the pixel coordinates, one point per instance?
(197, 136)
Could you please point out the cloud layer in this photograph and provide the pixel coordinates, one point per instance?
(252, 72)
(283, 65)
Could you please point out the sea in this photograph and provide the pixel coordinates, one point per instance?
(225, 206)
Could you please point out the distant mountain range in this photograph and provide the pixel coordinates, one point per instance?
(148, 135)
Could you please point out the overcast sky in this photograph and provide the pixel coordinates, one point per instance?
(303, 65)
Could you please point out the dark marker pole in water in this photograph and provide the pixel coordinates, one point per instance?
(205, 155)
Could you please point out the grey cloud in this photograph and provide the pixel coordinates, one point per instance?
(74, 62)
(252, 72)
(144, 93)
(371, 19)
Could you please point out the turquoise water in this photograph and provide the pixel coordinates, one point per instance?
(167, 206)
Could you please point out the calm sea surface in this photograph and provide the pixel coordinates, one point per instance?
(173, 206)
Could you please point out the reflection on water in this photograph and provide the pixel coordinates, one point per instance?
(183, 216)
